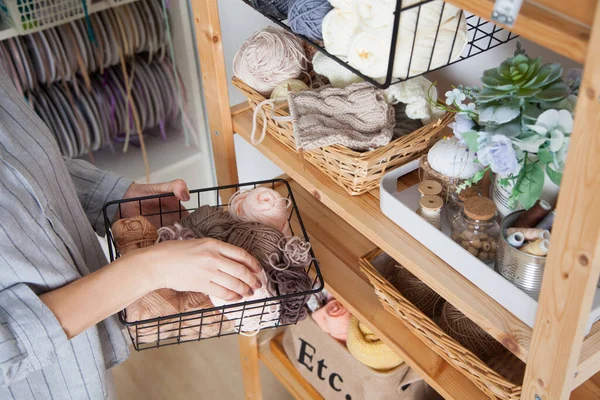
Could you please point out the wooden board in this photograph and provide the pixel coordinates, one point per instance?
(540, 24)
(364, 215)
(573, 267)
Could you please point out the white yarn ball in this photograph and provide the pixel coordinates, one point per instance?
(269, 57)
(339, 28)
(343, 4)
(451, 159)
(370, 51)
(414, 93)
(288, 86)
(376, 13)
(338, 75)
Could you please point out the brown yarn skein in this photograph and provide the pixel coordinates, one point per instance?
(415, 291)
(257, 239)
(468, 333)
(133, 233)
(210, 321)
(209, 221)
(291, 281)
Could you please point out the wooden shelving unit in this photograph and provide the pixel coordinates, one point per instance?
(561, 363)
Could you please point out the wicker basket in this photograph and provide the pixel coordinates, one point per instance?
(488, 380)
(357, 172)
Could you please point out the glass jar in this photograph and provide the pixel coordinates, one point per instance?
(456, 201)
(476, 228)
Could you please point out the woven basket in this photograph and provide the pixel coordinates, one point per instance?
(357, 172)
(488, 380)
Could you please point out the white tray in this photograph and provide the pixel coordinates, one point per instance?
(400, 207)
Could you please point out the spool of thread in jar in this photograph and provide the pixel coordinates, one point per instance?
(537, 248)
(530, 233)
(430, 210)
(547, 222)
(516, 239)
(430, 188)
(533, 216)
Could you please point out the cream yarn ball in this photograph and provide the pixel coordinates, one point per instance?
(451, 159)
(339, 28)
(338, 76)
(367, 348)
(288, 86)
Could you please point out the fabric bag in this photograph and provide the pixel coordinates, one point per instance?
(328, 366)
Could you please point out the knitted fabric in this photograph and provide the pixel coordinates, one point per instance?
(404, 125)
(357, 117)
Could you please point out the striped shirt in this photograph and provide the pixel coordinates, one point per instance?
(49, 210)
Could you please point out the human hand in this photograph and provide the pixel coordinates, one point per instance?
(201, 265)
(169, 206)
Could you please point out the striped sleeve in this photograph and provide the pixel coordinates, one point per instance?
(29, 334)
(94, 188)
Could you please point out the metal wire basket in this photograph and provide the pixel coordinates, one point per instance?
(214, 321)
(482, 35)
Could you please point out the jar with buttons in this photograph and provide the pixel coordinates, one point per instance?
(476, 228)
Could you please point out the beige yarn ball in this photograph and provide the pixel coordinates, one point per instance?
(288, 86)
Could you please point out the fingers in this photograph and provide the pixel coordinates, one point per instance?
(222, 293)
(232, 283)
(240, 255)
(239, 271)
(178, 187)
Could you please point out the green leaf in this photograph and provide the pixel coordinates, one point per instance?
(478, 176)
(492, 79)
(545, 156)
(470, 139)
(487, 95)
(527, 92)
(554, 176)
(555, 92)
(530, 184)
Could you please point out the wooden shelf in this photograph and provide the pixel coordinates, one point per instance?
(362, 213)
(561, 26)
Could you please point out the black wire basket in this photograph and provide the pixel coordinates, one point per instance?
(214, 321)
(482, 35)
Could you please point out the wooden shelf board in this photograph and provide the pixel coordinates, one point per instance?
(557, 25)
(364, 215)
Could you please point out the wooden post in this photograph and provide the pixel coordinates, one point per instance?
(573, 266)
(250, 367)
(214, 79)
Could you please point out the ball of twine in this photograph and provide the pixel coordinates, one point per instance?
(262, 205)
(208, 221)
(468, 333)
(175, 232)
(133, 233)
(509, 367)
(414, 290)
(306, 17)
(268, 58)
(275, 8)
(258, 239)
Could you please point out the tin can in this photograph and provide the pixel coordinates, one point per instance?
(524, 270)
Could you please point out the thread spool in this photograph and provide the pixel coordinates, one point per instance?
(306, 17)
(538, 247)
(269, 57)
(275, 8)
(534, 215)
(547, 222)
(516, 239)
(468, 333)
(431, 207)
(414, 290)
(430, 187)
(530, 233)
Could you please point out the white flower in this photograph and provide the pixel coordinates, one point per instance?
(469, 107)
(497, 151)
(462, 123)
(455, 96)
(552, 126)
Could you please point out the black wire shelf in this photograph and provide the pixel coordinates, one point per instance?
(482, 36)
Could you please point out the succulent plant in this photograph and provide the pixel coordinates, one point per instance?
(523, 77)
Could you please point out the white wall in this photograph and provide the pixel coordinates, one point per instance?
(238, 22)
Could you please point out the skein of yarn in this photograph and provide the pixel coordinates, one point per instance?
(208, 221)
(262, 205)
(275, 8)
(468, 333)
(306, 17)
(209, 324)
(175, 232)
(257, 239)
(269, 57)
(292, 281)
(415, 291)
(159, 303)
(133, 233)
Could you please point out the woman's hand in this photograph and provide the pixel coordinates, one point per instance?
(169, 207)
(202, 265)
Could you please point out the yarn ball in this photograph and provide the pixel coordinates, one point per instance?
(295, 252)
(338, 75)
(414, 290)
(509, 367)
(275, 8)
(339, 28)
(269, 57)
(175, 232)
(450, 158)
(288, 86)
(208, 221)
(468, 333)
(262, 205)
(133, 233)
(204, 325)
(258, 239)
(292, 281)
(159, 303)
(306, 17)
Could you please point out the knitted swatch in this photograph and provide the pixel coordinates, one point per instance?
(357, 117)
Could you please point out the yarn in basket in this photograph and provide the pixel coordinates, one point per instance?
(414, 290)
(468, 333)
(262, 205)
(208, 221)
(269, 57)
(275, 8)
(306, 17)
(133, 233)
